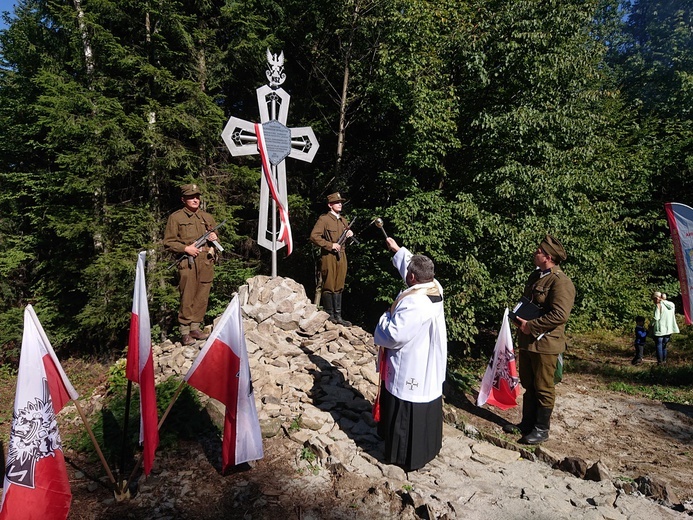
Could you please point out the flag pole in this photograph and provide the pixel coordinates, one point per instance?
(161, 422)
(97, 447)
(126, 418)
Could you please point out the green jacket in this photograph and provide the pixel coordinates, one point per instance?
(665, 319)
(555, 294)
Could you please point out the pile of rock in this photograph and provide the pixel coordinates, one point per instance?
(309, 375)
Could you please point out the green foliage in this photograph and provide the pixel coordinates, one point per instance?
(308, 455)
(117, 380)
(472, 127)
(296, 424)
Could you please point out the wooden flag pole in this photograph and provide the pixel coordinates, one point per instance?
(126, 419)
(97, 447)
(161, 422)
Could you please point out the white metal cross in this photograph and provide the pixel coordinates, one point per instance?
(297, 143)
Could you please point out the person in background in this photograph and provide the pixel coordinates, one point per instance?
(413, 354)
(639, 340)
(183, 228)
(333, 259)
(542, 339)
(664, 324)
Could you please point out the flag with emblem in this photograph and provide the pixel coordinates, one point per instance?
(221, 370)
(680, 219)
(36, 484)
(140, 366)
(500, 386)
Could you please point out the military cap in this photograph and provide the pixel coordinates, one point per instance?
(554, 248)
(186, 190)
(334, 198)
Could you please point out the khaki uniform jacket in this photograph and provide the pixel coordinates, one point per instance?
(555, 294)
(327, 231)
(182, 229)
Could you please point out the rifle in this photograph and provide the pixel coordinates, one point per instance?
(198, 244)
(343, 237)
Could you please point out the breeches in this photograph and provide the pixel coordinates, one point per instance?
(333, 272)
(536, 375)
(194, 286)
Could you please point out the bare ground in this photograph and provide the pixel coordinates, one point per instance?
(632, 436)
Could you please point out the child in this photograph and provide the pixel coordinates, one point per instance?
(639, 342)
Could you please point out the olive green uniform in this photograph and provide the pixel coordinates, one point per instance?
(554, 292)
(183, 228)
(326, 232)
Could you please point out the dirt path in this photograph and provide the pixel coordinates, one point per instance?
(632, 436)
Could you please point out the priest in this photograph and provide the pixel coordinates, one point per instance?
(413, 353)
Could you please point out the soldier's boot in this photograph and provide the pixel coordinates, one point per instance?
(337, 297)
(328, 304)
(529, 417)
(540, 433)
(186, 339)
(198, 334)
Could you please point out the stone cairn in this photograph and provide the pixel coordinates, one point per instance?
(312, 377)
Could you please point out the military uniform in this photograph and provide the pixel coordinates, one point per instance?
(333, 265)
(326, 232)
(183, 228)
(553, 292)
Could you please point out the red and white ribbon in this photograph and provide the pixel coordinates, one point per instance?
(285, 227)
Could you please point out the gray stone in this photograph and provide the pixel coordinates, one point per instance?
(597, 472)
(573, 465)
(494, 453)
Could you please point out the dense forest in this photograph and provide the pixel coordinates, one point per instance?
(472, 127)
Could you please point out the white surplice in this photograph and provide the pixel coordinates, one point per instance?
(414, 337)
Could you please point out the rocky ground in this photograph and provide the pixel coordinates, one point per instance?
(609, 456)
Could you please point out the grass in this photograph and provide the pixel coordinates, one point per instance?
(606, 356)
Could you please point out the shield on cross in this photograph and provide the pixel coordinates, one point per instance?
(278, 141)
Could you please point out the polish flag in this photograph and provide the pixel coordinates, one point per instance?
(140, 366)
(500, 386)
(222, 371)
(36, 484)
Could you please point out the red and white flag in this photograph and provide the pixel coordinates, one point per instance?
(500, 386)
(222, 371)
(36, 484)
(680, 219)
(285, 226)
(140, 366)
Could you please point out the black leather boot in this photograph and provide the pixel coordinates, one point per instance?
(337, 297)
(540, 433)
(328, 304)
(529, 417)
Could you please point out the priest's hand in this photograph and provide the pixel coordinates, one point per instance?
(391, 244)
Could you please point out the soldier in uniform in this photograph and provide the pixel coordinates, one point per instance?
(333, 260)
(183, 228)
(542, 339)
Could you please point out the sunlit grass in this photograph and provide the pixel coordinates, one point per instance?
(606, 356)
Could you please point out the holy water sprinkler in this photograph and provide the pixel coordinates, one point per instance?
(379, 224)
